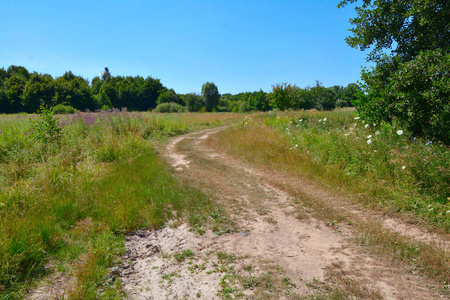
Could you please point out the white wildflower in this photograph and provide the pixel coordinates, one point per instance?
(357, 118)
(399, 132)
(369, 136)
(324, 119)
(377, 133)
(369, 142)
(404, 167)
(366, 126)
(300, 120)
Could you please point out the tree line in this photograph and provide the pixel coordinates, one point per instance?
(24, 91)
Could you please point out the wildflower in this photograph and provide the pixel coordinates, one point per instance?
(324, 119)
(347, 134)
(320, 120)
(369, 142)
(366, 126)
(415, 138)
(300, 120)
(369, 136)
(404, 167)
(357, 118)
(430, 142)
(377, 133)
(399, 132)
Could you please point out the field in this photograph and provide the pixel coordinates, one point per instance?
(73, 187)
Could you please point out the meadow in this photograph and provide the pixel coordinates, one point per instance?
(71, 186)
(379, 166)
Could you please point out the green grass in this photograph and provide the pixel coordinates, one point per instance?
(397, 173)
(335, 155)
(69, 201)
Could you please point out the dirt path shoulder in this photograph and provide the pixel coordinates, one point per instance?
(276, 249)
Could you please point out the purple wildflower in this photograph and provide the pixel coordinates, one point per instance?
(89, 119)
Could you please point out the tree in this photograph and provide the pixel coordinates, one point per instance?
(410, 43)
(38, 90)
(74, 91)
(259, 101)
(193, 102)
(169, 96)
(211, 95)
(281, 96)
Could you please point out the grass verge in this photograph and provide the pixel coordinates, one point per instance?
(68, 193)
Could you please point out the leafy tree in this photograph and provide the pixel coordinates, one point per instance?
(324, 98)
(106, 75)
(281, 96)
(169, 96)
(96, 84)
(4, 102)
(193, 102)
(74, 91)
(18, 71)
(409, 42)
(301, 98)
(151, 90)
(38, 90)
(259, 101)
(14, 90)
(211, 95)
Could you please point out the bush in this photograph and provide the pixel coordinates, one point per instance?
(62, 109)
(413, 95)
(170, 107)
(341, 103)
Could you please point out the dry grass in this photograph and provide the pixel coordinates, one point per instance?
(300, 174)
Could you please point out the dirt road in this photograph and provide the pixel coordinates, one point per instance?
(274, 248)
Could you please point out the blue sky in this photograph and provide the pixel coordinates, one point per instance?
(241, 45)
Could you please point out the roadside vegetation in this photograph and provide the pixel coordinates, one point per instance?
(382, 166)
(379, 167)
(70, 187)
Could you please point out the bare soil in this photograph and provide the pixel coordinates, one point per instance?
(276, 249)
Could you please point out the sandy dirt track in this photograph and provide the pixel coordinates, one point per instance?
(269, 232)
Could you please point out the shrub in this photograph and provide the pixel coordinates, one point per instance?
(341, 103)
(45, 128)
(170, 107)
(62, 109)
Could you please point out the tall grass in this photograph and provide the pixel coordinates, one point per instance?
(70, 200)
(380, 166)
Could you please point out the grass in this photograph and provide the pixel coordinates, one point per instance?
(69, 200)
(331, 149)
(396, 173)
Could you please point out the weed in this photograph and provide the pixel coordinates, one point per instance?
(181, 257)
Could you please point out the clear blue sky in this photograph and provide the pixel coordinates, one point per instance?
(241, 45)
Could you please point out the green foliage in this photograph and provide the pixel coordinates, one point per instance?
(193, 102)
(210, 95)
(46, 129)
(169, 96)
(409, 42)
(281, 96)
(62, 109)
(70, 207)
(259, 101)
(381, 163)
(408, 27)
(170, 107)
(414, 95)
